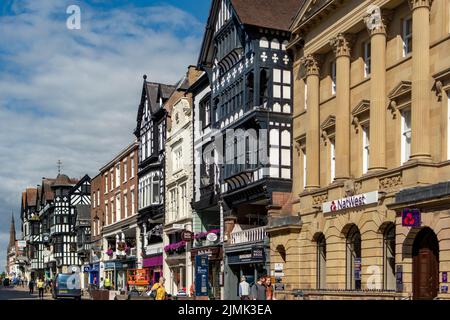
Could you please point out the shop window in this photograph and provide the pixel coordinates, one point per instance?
(389, 258)
(353, 259)
(321, 262)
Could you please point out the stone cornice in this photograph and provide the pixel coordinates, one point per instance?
(342, 44)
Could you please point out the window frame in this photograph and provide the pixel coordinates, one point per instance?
(406, 37)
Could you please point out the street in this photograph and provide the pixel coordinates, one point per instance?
(19, 293)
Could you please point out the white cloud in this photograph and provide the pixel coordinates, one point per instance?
(73, 94)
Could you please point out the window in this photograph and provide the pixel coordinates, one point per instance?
(93, 202)
(367, 59)
(106, 183)
(184, 201)
(155, 190)
(132, 202)
(389, 258)
(306, 96)
(321, 262)
(132, 168)
(406, 135)
(125, 169)
(161, 136)
(304, 167)
(173, 214)
(366, 148)
(98, 198)
(125, 205)
(332, 161)
(113, 213)
(407, 36)
(118, 175)
(205, 112)
(353, 260)
(111, 174)
(333, 77)
(106, 213)
(177, 159)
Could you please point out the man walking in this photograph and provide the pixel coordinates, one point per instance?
(259, 289)
(244, 289)
(31, 286)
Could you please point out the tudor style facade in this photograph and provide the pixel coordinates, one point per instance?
(370, 119)
(244, 54)
(151, 136)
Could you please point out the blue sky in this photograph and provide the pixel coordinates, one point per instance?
(73, 94)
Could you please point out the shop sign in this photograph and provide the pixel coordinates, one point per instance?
(411, 218)
(279, 267)
(350, 202)
(444, 277)
(187, 235)
(212, 237)
(113, 265)
(257, 253)
(178, 226)
(201, 276)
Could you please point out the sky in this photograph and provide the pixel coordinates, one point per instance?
(72, 94)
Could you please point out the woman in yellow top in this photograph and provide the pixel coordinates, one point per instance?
(40, 286)
(160, 290)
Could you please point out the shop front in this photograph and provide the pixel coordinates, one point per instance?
(249, 261)
(215, 276)
(116, 272)
(92, 271)
(155, 266)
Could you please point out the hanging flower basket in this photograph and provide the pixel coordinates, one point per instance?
(175, 247)
(109, 252)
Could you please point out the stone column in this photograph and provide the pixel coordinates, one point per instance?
(311, 64)
(420, 99)
(376, 23)
(342, 45)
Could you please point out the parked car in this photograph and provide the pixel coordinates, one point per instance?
(67, 286)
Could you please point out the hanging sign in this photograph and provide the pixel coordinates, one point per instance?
(411, 218)
(350, 202)
(357, 269)
(187, 235)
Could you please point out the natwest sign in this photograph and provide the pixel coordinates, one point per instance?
(350, 202)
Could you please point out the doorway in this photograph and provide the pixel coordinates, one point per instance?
(425, 265)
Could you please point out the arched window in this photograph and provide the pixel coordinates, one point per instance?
(353, 261)
(321, 262)
(389, 258)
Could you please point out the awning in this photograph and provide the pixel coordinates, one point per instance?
(153, 261)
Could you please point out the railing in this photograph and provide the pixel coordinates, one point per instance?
(248, 236)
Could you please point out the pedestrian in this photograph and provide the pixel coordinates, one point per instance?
(102, 283)
(259, 289)
(269, 288)
(107, 283)
(40, 286)
(31, 286)
(158, 290)
(192, 290)
(244, 289)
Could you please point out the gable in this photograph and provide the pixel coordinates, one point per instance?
(312, 9)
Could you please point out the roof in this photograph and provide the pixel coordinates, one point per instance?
(62, 180)
(273, 14)
(31, 196)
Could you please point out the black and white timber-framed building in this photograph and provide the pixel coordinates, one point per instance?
(250, 74)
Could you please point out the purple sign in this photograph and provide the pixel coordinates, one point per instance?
(444, 277)
(411, 218)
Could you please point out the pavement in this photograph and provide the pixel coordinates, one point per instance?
(20, 293)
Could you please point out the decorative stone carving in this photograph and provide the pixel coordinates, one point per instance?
(378, 19)
(311, 63)
(342, 44)
(320, 198)
(414, 4)
(391, 183)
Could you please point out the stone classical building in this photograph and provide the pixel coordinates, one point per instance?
(179, 185)
(371, 119)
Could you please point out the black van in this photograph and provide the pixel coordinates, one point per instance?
(67, 286)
